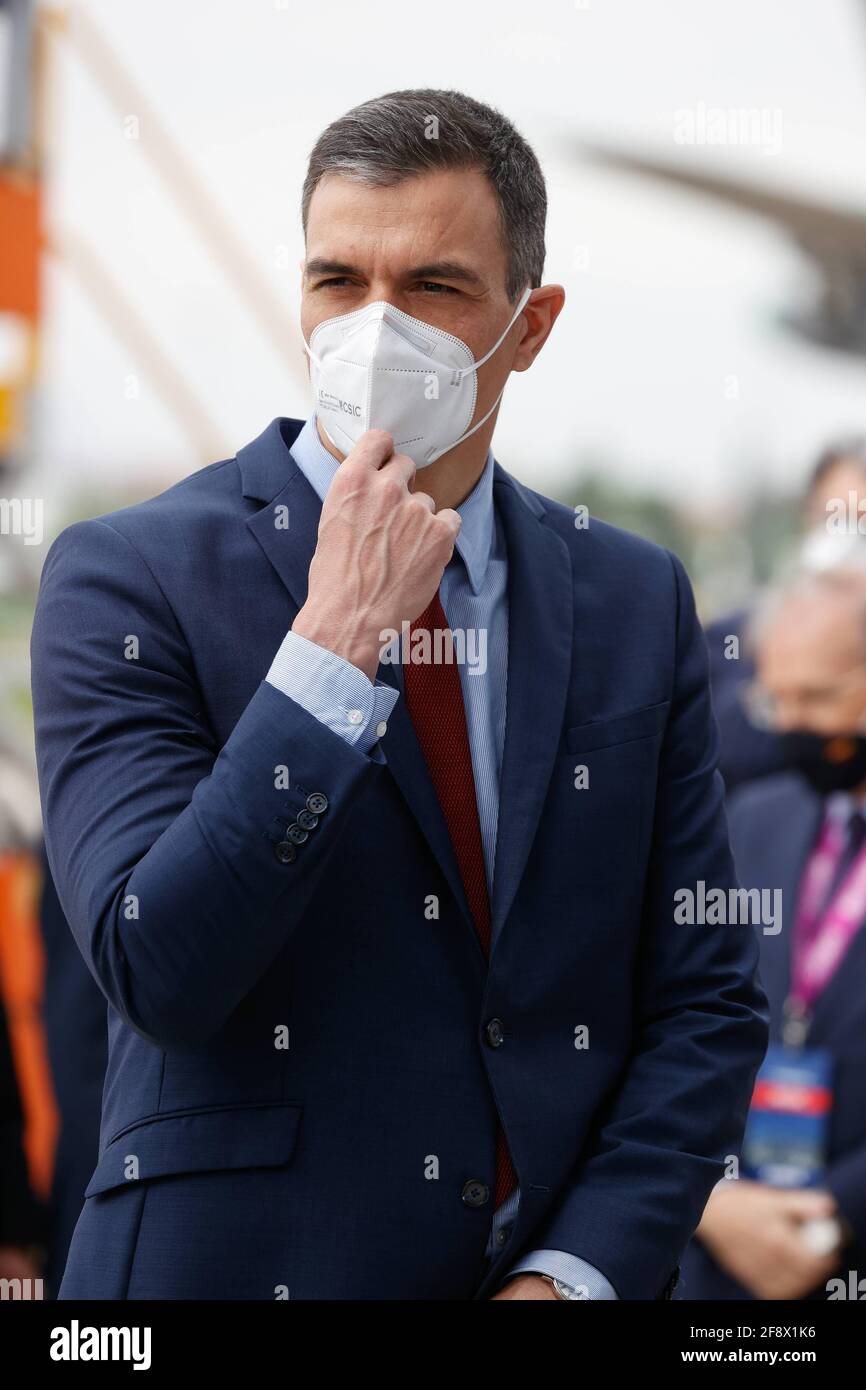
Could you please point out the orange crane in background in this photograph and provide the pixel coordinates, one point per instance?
(19, 229)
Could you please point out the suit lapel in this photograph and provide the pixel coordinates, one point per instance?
(409, 770)
(540, 628)
(286, 528)
(540, 624)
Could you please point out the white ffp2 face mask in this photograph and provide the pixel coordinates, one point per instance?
(378, 368)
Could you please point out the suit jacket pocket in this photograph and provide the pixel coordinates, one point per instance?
(619, 728)
(197, 1141)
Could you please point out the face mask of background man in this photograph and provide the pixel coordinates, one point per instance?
(811, 662)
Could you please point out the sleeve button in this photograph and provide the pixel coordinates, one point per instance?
(317, 802)
(307, 821)
(285, 852)
(297, 834)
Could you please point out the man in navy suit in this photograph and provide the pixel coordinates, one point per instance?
(398, 1007)
(811, 683)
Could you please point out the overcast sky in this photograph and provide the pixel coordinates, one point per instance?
(669, 298)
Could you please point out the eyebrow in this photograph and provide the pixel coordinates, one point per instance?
(434, 270)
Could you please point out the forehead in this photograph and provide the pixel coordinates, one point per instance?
(819, 632)
(449, 214)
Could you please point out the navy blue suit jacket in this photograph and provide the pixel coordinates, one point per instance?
(774, 825)
(234, 1166)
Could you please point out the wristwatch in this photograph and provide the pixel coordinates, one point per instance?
(563, 1290)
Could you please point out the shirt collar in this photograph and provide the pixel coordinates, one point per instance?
(475, 511)
(476, 532)
(313, 459)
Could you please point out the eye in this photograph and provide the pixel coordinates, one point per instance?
(335, 282)
(434, 287)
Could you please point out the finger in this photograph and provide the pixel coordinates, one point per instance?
(399, 466)
(452, 520)
(425, 500)
(374, 448)
(804, 1203)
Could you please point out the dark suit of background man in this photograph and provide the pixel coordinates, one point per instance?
(75, 1031)
(22, 1218)
(811, 669)
(398, 1008)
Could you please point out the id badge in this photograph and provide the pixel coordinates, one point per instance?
(785, 1143)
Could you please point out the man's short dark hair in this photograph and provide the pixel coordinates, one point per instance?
(404, 134)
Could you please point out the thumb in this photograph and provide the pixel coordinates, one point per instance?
(454, 520)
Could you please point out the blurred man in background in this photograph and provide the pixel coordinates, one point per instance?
(26, 1100)
(839, 470)
(76, 1031)
(838, 478)
(22, 1226)
(803, 832)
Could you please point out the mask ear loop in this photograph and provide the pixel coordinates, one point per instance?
(437, 453)
(459, 374)
(521, 305)
(312, 355)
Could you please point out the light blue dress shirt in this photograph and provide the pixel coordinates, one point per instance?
(474, 596)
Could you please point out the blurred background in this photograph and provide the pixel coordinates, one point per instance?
(707, 216)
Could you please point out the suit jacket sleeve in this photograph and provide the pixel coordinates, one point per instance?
(699, 1030)
(162, 845)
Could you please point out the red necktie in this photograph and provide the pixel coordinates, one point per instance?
(434, 699)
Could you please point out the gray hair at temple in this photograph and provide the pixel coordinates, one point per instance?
(846, 581)
(404, 134)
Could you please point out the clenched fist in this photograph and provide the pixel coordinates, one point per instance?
(752, 1231)
(380, 554)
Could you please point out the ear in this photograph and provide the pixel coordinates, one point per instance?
(538, 317)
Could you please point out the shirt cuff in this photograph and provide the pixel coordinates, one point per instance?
(333, 690)
(570, 1269)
